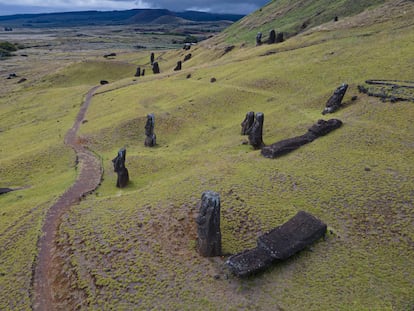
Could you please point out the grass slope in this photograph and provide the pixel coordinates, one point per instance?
(135, 248)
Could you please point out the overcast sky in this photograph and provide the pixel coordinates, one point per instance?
(8, 7)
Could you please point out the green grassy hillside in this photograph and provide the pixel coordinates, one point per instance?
(135, 248)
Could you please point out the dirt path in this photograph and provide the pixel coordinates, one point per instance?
(90, 175)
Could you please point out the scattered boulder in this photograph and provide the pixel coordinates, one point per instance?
(212, 80)
(247, 123)
(22, 80)
(282, 147)
(103, 82)
(187, 57)
(138, 72)
(155, 68)
(259, 39)
(151, 138)
(120, 169)
(178, 67)
(188, 76)
(208, 225)
(256, 132)
(335, 101)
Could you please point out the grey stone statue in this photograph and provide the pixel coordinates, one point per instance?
(152, 58)
(335, 101)
(151, 138)
(247, 123)
(256, 133)
(208, 225)
(259, 39)
(120, 169)
(155, 68)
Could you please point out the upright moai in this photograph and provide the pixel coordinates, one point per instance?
(143, 72)
(279, 37)
(151, 138)
(208, 225)
(120, 169)
(256, 133)
(155, 68)
(259, 39)
(178, 67)
(152, 58)
(138, 73)
(272, 37)
(247, 123)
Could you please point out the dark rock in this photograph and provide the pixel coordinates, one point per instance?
(178, 67)
(247, 123)
(155, 68)
(138, 73)
(187, 57)
(272, 37)
(335, 18)
(103, 82)
(12, 75)
(152, 58)
(249, 262)
(188, 76)
(259, 39)
(319, 129)
(293, 236)
(354, 98)
(22, 80)
(228, 49)
(208, 225)
(5, 190)
(120, 169)
(151, 138)
(335, 101)
(212, 80)
(110, 55)
(256, 133)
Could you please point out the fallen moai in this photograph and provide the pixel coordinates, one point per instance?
(208, 225)
(247, 123)
(5, 190)
(319, 129)
(178, 67)
(256, 132)
(151, 138)
(120, 169)
(187, 57)
(335, 101)
(278, 244)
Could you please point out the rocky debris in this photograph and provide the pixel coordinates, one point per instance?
(151, 138)
(155, 68)
(247, 123)
(103, 82)
(120, 169)
(212, 80)
(110, 55)
(5, 190)
(138, 72)
(228, 49)
(335, 101)
(188, 76)
(208, 225)
(259, 39)
(319, 129)
(389, 90)
(278, 244)
(187, 57)
(178, 67)
(256, 132)
(152, 58)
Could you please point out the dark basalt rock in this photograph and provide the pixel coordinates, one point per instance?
(155, 68)
(293, 236)
(319, 129)
(259, 39)
(247, 123)
(151, 138)
(120, 169)
(256, 133)
(278, 244)
(138, 73)
(178, 67)
(103, 82)
(5, 190)
(335, 101)
(187, 57)
(208, 225)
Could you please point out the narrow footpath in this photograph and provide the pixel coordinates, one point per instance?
(89, 178)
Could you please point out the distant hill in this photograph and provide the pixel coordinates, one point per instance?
(90, 18)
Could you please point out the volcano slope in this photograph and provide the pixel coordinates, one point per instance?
(135, 248)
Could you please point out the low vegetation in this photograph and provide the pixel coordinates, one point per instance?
(135, 247)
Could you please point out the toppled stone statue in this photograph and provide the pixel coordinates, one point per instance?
(178, 67)
(5, 190)
(155, 68)
(259, 39)
(120, 169)
(319, 129)
(138, 73)
(272, 37)
(152, 58)
(278, 244)
(247, 123)
(151, 138)
(208, 225)
(187, 57)
(335, 101)
(256, 132)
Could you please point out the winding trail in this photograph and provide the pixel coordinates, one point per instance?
(89, 178)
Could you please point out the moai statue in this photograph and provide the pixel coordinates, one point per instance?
(335, 18)
(187, 57)
(120, 169)
(208, 225)
(247, 123)
(279, 37)
(335, 101)
(272, 37)
(155, 68)
(256, 133)
(138, 73)
(152, 58)
(259, 39)
(151, 138)
(178, 67)
(143, 72)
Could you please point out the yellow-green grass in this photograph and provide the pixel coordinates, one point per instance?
(134, 248)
